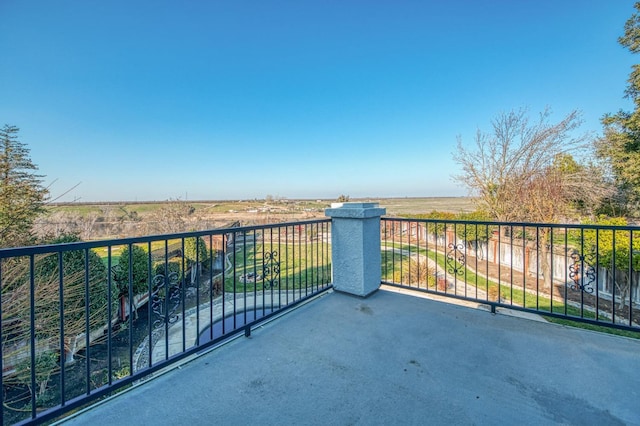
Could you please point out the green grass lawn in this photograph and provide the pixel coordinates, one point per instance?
(508, 294)
(300, 266)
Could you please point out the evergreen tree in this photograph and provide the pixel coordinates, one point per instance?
(22, 195)
(620, 146)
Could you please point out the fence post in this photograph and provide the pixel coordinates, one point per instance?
(355, 247)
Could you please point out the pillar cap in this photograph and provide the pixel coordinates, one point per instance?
(355, 210)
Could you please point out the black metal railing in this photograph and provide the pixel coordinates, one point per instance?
(585, 273)
(81, 320)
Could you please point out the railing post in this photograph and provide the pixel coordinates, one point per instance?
(355, 247)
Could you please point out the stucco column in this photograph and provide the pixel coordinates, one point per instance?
(355, 247)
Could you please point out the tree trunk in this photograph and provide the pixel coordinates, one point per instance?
(544, 258)
(621, 281)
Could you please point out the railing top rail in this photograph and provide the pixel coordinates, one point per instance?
(64, 247)
(634, 228)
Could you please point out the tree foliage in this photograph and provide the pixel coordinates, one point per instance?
(73, 272)
(195, 249)
(139, 266)
(471, 232)
(22, 195)
(616, 250)
(620, 145)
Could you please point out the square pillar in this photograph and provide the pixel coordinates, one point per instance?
(355, 247)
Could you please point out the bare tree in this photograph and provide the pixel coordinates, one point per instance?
(172, 217)
(525, 171)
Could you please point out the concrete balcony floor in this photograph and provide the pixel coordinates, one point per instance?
(393, 359)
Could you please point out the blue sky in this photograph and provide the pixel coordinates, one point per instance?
(155, 100)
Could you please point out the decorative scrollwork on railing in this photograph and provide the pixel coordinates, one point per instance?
(166, 298)
(271, 270)
(456, 259)
(581, 273)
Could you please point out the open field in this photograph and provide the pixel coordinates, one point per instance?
(231, 208)
(97, 221)
(398, 206)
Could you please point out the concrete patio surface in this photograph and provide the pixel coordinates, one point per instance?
(393, 359)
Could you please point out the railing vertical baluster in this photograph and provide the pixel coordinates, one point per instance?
(538, 250)
(465, 253)
(224, 283)
(110, 316)
(255, 270)
(263, 279)
(475, 267)
(2, 401)
(87, 320)
(149, 310)
(319, 257)
(419, 266)
(286, 265)
(327, 239)
(211, 288)
(235, 272)
(525, 266)
(197, 307)
(293, 259)
(426, 251)
(597, 267)
(402, 255)
(264, 290)
(393, 250)
(63, 356)
(511, 268)
(435, 249)
(300, 265)
(499, 296)
(581, 276)
(166, 284)
(630, 275)
(244, 273)
(314, 260)
(32, 333)
(409, 280)
(418, 256)
(306, 260)
(487, 264)
(444, 225)
(566, 268)
(452, 245)
(282, 263)
(322, 265)
(415, 233)
(310, 256)
(323, 245)
(182, 283)
(613, 288)
(551, 264)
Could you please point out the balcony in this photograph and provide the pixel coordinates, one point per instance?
(322, 343)
(393, 359)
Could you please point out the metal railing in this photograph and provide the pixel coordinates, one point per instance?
(583, 273)
(82, 320)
